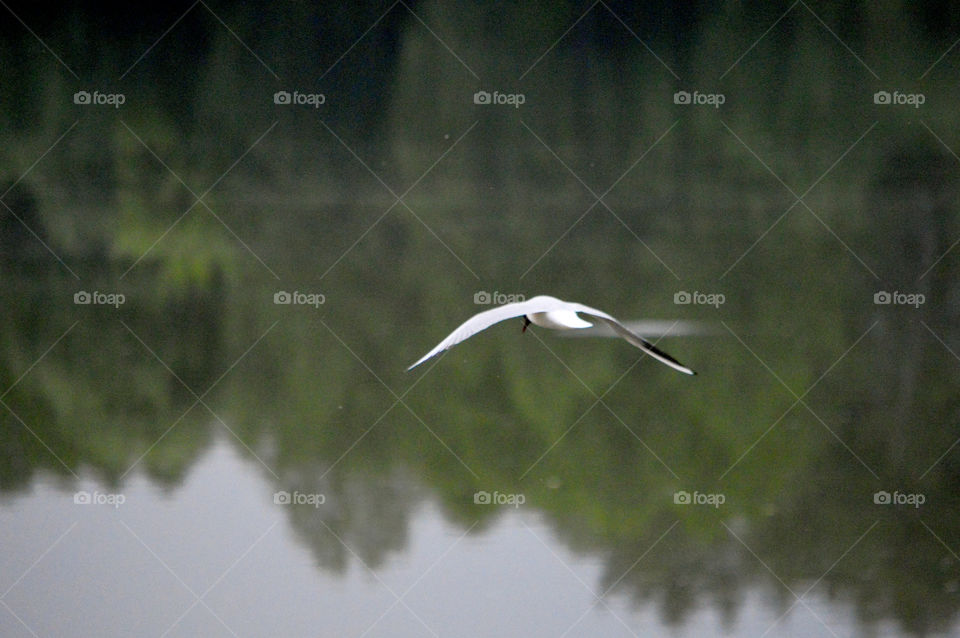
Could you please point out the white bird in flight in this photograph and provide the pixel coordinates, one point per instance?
(553, 313)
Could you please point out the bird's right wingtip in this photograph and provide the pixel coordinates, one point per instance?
(679, 367)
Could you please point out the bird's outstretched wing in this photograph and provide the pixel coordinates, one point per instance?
(544, 303)
(650, 328)
(631, 337)
(487, 318)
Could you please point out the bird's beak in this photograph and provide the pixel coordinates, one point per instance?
(526, 322)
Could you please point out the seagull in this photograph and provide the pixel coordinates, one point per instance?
(553, 313)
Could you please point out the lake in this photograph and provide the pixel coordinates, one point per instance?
(227, 231)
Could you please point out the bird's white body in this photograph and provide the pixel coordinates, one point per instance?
(553, 313)
(558, 320)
